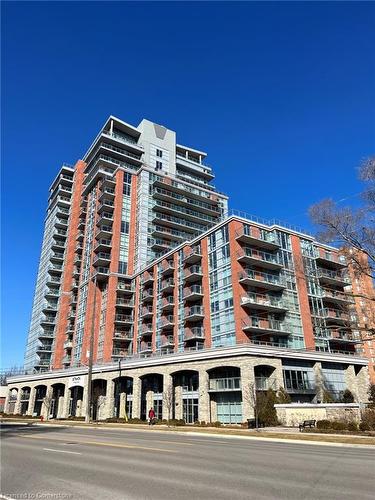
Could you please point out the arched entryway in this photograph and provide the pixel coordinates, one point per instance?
(123, 397)
(152, 395)
(25, 398)
(264, 377)
(13, 394)
(58, 391)
(99, 391)
(40, 394)
(225, 394)
(75, 401)
(186, 391)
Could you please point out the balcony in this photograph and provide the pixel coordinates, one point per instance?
(147, 278)
(335, 316)
(105, 218)
(193, 273)
(46, 334)
(124, 139)
(193, 292)
(167, 322)
(295, 387)
(329, 277)
(195, 333)
(61, 223)
(225, 384)
(259, 258)
(68, 344)
(102, 273)
(274, 327)
(80, 236)
(167, 285)
(67, 359)
(147, 312)
(263, 302)
(262, 280)
(120, 302)
(122, 335)
(53, 280)
(167, 303)
(193, 256)
(51, 293)
(330, 259)
(258, 237)
(124, 319)
(57, 257)
(103, 245)
(342, 337)
(145, 347)
(79, 248)
(187, 213)
(50, 308)
(337, 297)
(125, 288)
(44, 348)
(147, 329)
(107, 194)
(48, 320)
(120, 353)
(106, 205)
(102, 259)
(104, 232)
(194, 313)
(167, 268)
(167, 341)
(147, 295)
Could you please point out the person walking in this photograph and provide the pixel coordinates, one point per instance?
(151, 416)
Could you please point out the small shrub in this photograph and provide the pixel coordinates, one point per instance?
(352, 426)
(323, 424)
(136, 421)
(328, 397)
(368, 419)
(78, 419)
(216, 424)
(371, 396)
(364, 426)
(337, 425)
(283, 397)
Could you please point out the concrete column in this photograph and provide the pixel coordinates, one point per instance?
(204, 397)
(168, 399)
(137, 388)
(319, 382)
(82, 405)
(108, 410)
(61, 406)
(248, 391)
(122, 412)
(46, 405)
(17, 407)
(351, 381)
(178, 402)
(30, 410)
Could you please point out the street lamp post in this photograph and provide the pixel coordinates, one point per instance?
(91, 357)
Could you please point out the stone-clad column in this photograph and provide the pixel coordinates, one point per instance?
(204, 397)
(351, 381)
(46, 404)
(319, 382)
(362, 379)
(168, 397)
(17, 407)
(108, 410)
(178, 402)
(248, 391)
(137, 387)
(30, 410)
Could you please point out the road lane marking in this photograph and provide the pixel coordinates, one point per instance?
(63, 451)
(101, 443)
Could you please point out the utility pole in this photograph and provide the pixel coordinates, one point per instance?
(91, 356)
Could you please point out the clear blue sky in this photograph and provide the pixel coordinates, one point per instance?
(281, 95)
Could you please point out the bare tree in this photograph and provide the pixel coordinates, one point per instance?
(47, 403)
(353, 229)
(249, 394)
(168, 400)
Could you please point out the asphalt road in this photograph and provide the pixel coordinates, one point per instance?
(101, 464)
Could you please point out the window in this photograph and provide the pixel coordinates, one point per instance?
(122, 267)
(125, 227)
(159, 165)
(159, 153)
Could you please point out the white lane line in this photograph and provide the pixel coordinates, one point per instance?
(63, 451)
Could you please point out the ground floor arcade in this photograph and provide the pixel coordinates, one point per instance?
(204, 386)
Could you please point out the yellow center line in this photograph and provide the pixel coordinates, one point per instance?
(101, 443)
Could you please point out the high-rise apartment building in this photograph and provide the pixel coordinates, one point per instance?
(141, 257)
